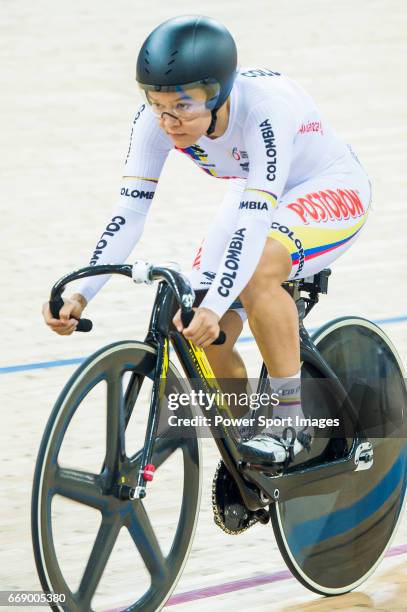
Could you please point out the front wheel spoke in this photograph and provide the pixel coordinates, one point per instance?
(79, 486)
(131, 394)
(115, 422)
(163, 449)
(143, 536)
(101, 551)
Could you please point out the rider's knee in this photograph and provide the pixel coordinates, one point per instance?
(261, 287)
(272, 270)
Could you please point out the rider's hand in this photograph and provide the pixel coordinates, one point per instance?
(203, 329)
(66, 324)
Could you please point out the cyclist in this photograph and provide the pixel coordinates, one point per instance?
(297, 199)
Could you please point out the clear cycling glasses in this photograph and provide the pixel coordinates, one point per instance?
(185, 102)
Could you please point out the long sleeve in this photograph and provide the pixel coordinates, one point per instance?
(120, 236)
(146, 156)
(269, 135)
(207, 261)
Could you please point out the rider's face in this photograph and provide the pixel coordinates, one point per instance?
(186, 130)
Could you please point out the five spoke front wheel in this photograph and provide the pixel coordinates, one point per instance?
(160, 528)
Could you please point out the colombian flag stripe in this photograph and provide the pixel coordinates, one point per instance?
(320, 250)
(141, 178)
(193, 153)
(268, 195)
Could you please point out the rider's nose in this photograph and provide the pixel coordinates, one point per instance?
(169, 119)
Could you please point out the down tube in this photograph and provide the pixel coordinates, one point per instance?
(197, 367)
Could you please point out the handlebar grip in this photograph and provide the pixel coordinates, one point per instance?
(221, 339)
(84, 325)
(186, 318)
(55, 306)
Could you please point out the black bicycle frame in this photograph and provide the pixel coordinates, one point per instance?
(257, 484)
(252, 482)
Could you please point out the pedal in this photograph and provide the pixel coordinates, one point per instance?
(229, 511)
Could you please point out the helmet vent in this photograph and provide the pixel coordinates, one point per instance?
(174, 53)
(171, 62)
(168, 71)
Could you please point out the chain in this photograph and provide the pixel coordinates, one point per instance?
(216, 514)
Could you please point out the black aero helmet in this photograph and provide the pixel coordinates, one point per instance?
(189, 51)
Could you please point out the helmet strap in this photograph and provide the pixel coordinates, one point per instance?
(212, 125)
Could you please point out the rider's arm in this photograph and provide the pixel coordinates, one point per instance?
(269, 134)
(207, 260)
(120, 236)
(147, 153)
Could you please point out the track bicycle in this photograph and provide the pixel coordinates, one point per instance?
(333, 515)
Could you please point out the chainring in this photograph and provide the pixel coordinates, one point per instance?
(229, 511)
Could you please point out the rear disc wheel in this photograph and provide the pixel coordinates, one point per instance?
(334, 532)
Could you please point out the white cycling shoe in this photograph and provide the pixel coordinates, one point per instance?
(271, 448)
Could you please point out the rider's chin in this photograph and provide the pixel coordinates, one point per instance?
(176, 136)
(182, 139)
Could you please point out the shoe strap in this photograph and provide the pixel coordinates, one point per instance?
(289, 442)
(305, 439)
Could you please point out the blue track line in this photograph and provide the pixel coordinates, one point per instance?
(64, 362)
(40, 365)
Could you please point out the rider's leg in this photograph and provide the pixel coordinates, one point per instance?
(225, 360)
(273, 319)
(310, 236)
(272, 313)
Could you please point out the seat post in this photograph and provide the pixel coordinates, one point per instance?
(313, 285)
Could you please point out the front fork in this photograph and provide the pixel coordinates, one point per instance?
(146, 471)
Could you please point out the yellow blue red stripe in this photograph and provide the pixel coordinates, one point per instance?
(315, 240)
(267, 195)
(320, 250)
(141, 178)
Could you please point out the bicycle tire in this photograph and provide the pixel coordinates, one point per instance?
(334, 536)
(124, 356)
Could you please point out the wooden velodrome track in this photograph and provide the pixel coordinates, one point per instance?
(67, 101)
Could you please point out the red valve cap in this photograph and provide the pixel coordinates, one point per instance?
(148, 472)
